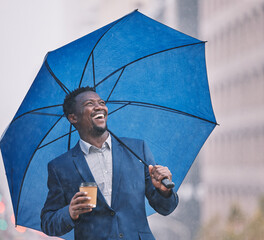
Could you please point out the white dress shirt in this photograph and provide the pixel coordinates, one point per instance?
(99, 161)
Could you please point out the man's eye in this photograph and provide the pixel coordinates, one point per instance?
(89, 103)
(102, 102)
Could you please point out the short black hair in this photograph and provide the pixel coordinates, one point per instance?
(69, 100)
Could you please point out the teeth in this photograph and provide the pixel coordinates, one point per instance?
(100, 115)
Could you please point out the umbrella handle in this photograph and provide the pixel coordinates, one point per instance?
(165, 181)
(168, 183)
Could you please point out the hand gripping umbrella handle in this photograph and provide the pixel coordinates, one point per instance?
(166, 182)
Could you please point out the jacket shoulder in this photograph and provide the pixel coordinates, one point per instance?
(63, 158)
(131, 140)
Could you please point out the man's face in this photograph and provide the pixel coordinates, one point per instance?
(90, 113)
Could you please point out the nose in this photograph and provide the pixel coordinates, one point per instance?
(97, 105)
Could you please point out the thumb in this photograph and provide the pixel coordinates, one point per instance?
(150, 169)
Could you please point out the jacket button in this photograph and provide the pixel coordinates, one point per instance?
(121, 235)
(112, 213)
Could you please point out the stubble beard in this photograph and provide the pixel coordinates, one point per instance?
(99, 131)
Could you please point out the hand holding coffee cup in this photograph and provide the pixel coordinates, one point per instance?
(83, 201)
(90, 188)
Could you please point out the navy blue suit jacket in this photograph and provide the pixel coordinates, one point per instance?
(126, 217)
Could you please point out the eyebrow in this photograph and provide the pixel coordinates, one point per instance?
(92, 99)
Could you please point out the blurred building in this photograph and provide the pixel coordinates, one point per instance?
(233, 161)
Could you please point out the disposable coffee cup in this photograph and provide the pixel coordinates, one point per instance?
(91, 189)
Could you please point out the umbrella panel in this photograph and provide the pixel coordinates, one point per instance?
(185, 88)
(29, 129)
(178, 144)
(44, 93)
(109, 49)
(67, 63)
(34, 189)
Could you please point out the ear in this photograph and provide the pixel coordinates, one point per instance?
(72, 118)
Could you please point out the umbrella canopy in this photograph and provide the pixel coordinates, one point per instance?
(154, 81)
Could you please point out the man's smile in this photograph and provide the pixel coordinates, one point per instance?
(99, 115)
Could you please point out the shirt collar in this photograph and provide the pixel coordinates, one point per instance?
(85, 146)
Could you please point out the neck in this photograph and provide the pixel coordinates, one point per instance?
(95, 140)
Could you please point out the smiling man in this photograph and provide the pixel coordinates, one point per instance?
(123, 182)
(89, 117)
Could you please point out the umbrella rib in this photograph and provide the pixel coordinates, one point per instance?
(166, 182)
(93, 71)
(69, 140)
(128, 148)
(149, 55)
(115, 84)
(46, 114)
(30, 162)
(37, 109)
(80, 83)
(140, 105)
(56, 139)
(155, 106)
(119, 108)
(85, 66)
(63, 87)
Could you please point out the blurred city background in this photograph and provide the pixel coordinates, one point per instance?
(222, 196)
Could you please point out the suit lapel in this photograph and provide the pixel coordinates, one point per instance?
(117, 158)
(81, 164)
(86, 174)
(84, 170)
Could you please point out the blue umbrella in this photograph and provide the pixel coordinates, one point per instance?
(154, 81)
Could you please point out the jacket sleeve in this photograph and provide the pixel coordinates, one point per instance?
(55, 216)
(161, 204)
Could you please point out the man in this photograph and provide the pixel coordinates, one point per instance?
(122, 180)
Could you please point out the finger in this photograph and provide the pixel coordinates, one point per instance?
(79, 194)
(167, 173)
(162, 172)
(162, 176)
(156, 169)
(85, 210)
(81, 200)
(82, 206)
(154, 174)
(150, 169)
(78, 211)
(159, 178)
(160, 168)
